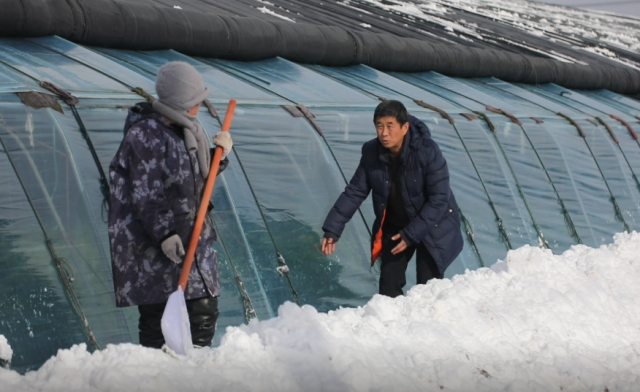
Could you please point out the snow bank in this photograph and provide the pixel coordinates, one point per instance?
(5, 351)
(534, 322)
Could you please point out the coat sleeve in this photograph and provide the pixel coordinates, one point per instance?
(436, 192)
(348, 203)
(148, 174)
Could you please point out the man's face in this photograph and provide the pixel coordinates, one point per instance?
(391, 133)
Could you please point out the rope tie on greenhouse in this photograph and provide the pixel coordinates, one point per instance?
(513, 118)
(140, 91)
(211, 109)
(66, 96)
(247, 306)
(470, 236)
(615, 139)
(72, 101)
(62, 265)
(283, 268)
(567, 217)
(442, 113)
(471, 117)
(104, 183)
(501, 228)
(613, 198)
(312, 119)
(543, 241)
(626, 124)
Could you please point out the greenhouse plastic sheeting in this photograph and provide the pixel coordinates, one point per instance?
(95, 61)
(222, 85)
(293, 82)
(37, 145)
(529, 174)
(381, 85)
(570, 165)
(614, 115)
(42, 64)
(277, 151)
(610, 97)
(609, 159)
(35, 313)
(285, 174)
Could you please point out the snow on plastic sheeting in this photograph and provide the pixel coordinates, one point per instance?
(533, 322)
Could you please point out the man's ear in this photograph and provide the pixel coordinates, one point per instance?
(405, 127)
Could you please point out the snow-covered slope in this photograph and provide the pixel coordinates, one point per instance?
(592, 31)
(5, 351)
(533, 322)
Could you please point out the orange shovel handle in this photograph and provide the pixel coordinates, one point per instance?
(204, 204)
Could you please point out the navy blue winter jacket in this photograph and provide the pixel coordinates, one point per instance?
(423, 181)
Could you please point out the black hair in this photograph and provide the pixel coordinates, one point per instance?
(391, 109)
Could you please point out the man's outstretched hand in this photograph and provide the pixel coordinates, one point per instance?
(328, 246)
(400, 247)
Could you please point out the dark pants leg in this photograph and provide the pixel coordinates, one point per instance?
(203, 316)
(149, 330)
(394, 267)
(426, 268)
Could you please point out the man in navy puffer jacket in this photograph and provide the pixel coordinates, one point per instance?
(413, 203)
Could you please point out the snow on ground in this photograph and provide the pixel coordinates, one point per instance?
(5, 350)
(534, 322)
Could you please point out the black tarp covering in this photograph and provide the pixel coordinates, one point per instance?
(205, 31)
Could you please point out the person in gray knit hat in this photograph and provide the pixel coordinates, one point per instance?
(156, 181)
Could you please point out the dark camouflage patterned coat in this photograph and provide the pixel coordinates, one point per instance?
(155, 189)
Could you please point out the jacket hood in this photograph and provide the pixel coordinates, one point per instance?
(418, 131)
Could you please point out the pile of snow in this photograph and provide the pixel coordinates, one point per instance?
(5, 351)
(534, 322)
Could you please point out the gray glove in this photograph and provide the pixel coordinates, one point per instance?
(172, 247)
(223, 139)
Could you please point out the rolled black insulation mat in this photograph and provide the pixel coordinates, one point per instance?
(150, 25)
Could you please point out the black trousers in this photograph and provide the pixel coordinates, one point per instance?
(203, 315)
(394, 267)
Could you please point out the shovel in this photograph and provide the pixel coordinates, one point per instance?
(175, 319)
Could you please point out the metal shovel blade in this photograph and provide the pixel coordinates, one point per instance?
(175, 324)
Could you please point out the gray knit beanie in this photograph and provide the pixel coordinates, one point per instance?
(180, 86)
